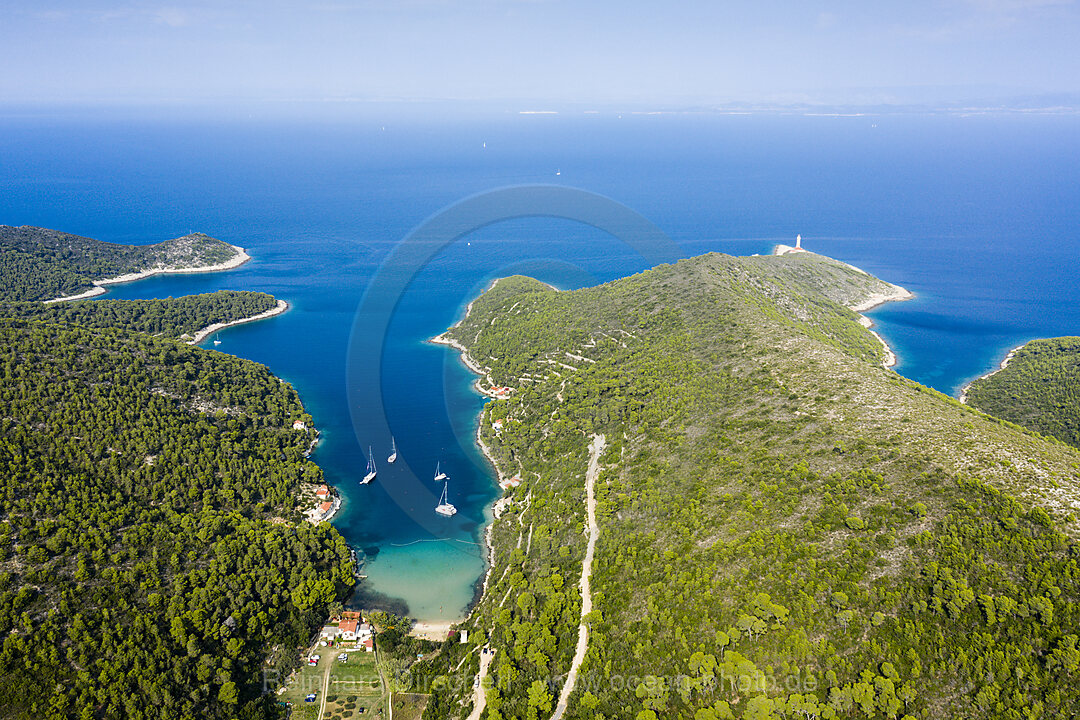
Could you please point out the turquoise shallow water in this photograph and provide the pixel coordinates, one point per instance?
(978, 216)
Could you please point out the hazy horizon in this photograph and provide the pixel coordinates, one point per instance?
(521, 55)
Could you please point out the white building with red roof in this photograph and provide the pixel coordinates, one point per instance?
(348, 628)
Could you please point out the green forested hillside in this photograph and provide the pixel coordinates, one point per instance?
(171, 317)
(41, 264)
(787, 530)
(1039, 389)
(150, 554)
(24, 276)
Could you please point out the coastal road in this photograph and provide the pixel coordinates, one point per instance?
(595, 449)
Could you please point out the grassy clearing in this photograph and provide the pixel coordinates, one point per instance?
(354, 688)
(409, 706)
(306, 680)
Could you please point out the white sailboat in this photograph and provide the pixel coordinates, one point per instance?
(444, 508)
(393, 450)
(371, 472)
(439, 475)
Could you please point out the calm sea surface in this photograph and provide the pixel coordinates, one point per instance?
(978, 216)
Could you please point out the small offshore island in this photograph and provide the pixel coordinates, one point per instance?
(727, 508)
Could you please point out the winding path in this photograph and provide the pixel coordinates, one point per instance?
(479, 696)
(595, 449)
(325, 681)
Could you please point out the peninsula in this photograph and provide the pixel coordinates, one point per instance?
(772, 524)
(190, 317)
(37, 263)
(42, 264)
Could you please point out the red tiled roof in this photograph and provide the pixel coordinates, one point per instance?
(347, 626)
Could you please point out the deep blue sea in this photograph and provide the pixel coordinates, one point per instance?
(978, 216)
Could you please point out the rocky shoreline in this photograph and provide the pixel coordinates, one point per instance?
(1004, 364)
(209, 330)
(236, 261)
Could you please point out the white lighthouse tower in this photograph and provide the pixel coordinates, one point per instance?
(787, 249)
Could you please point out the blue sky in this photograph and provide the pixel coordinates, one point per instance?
(542, 51)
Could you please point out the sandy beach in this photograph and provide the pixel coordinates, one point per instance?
(237, 260)
(201, 335)
(1004, 364)
(436, 630)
